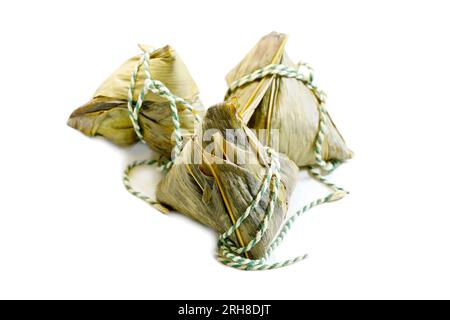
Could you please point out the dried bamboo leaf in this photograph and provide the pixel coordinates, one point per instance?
(283, 104)
(107, 115)
(217, 190)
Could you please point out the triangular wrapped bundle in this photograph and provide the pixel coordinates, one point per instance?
(107, 114)
(215, 179)
(286, 104)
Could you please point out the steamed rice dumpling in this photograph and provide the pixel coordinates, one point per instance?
(107, 114)
(216, 178)
(285, 109)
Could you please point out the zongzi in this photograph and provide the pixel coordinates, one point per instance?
(218, 175)
(107, 114)
(283, 104)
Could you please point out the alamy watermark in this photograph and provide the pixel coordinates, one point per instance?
(238, 146)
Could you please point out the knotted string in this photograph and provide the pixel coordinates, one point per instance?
(231, 255)
(307, 79)
(158, 88)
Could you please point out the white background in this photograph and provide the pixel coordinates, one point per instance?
(68, 228)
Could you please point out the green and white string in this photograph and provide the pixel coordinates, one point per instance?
(231, 255)
(127, 182)
(307, 79)
(158, 88)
